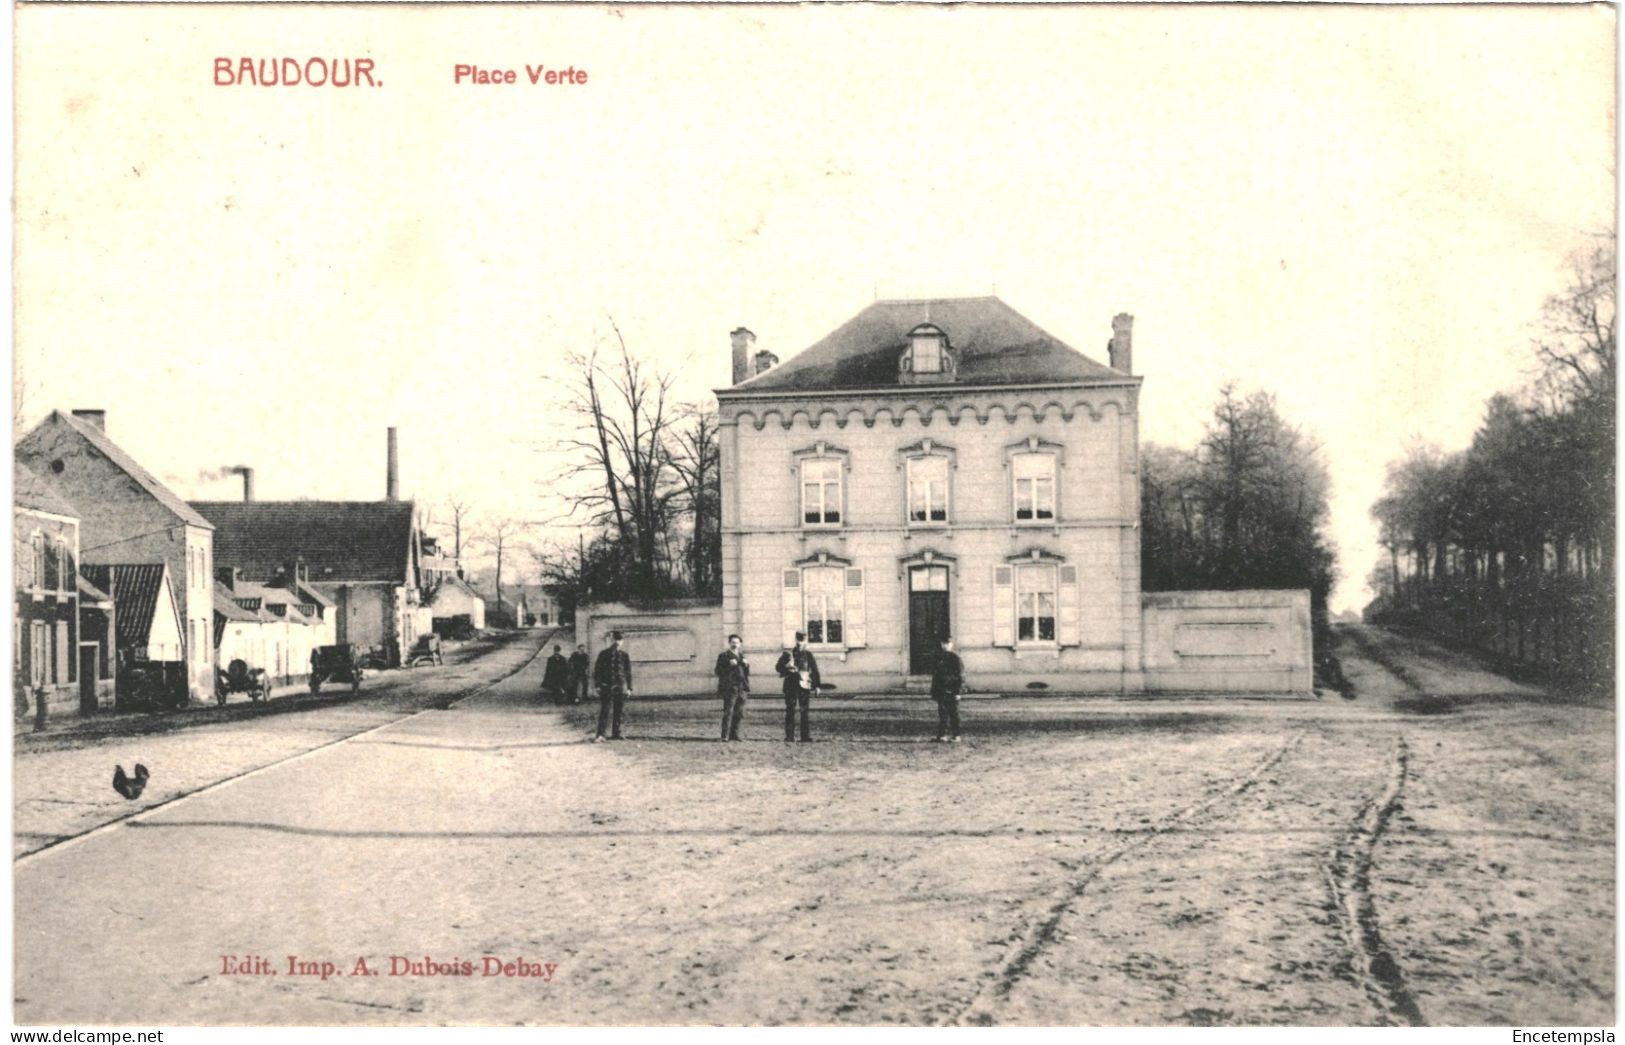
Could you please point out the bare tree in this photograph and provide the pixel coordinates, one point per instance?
(459, 511)
(500, 534)
(624, 421)
(698, 464)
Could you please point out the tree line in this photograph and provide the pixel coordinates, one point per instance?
(1508, 545)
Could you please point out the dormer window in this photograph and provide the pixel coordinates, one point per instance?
(928, 358)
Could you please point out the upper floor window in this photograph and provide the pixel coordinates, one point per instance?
(1034, 475)
(37, 541)
(50, 577)
(67, 570)
(821, 491)
(927, 489)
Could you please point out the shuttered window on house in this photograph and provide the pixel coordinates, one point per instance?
(857, 632)
(62, 651)
(1004, 607)
(790, 604)
(53, 565)
(1036, 605)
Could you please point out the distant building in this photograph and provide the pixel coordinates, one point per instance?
(452, 597)
(287, 622)
(360, 557)
(127, 516)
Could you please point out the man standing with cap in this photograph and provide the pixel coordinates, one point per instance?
(947, 682)
(613, 674)
(733, 686)
(799, 669)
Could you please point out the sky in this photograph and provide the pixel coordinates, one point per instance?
(1360, 210)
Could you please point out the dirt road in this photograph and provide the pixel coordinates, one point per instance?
(1439, 850)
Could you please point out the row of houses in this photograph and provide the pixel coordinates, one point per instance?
(121, 582)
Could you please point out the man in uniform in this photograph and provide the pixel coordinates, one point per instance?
(947, 682)
(613, 674)
(733, 686)
(580, 675)
(799, 669)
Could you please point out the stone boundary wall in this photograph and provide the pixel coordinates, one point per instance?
(1228, 642)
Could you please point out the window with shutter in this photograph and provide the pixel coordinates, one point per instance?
(823, 594)
(790, 603)
(1035, 604)
(1067, 633)
(856, 621)
(1004, 607)
(61, 654)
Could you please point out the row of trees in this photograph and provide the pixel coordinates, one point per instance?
(1508, 545)
(1244, 509)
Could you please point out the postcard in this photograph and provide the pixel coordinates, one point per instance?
(814, 515)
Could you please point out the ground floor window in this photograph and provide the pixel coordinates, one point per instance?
(1035, 603)
(825, 602)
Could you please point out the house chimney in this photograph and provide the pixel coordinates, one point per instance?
(1122, 343)
(741, 340)
(765, 361)
(248, 482)
(228, 575)
(392, 482)
(95, 417)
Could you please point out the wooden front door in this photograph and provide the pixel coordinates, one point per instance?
(87, 679)
(928, 621)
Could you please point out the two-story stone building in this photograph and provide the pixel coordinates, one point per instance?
(936, 467)
(128, 516)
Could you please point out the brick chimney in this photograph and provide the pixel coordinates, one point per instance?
(765, 361)
(248, 482)
(741, 341)
(1122, 343)
(95, 417)
(392, 480)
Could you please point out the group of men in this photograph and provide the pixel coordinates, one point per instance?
(797, 667)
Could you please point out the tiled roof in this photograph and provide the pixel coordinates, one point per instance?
(33, 444)
(340, 541)
(225, 605)
(32, 490)
(136, 588)
(992, 344)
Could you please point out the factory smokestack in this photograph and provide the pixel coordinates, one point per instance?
(248, 482)
(392, 483)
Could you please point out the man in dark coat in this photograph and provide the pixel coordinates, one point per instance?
(580, 675)
(733, 686)
(799, 669)
(613, 674)
(556, 674)
(947, 682)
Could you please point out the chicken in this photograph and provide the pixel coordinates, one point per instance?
(128, 786)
